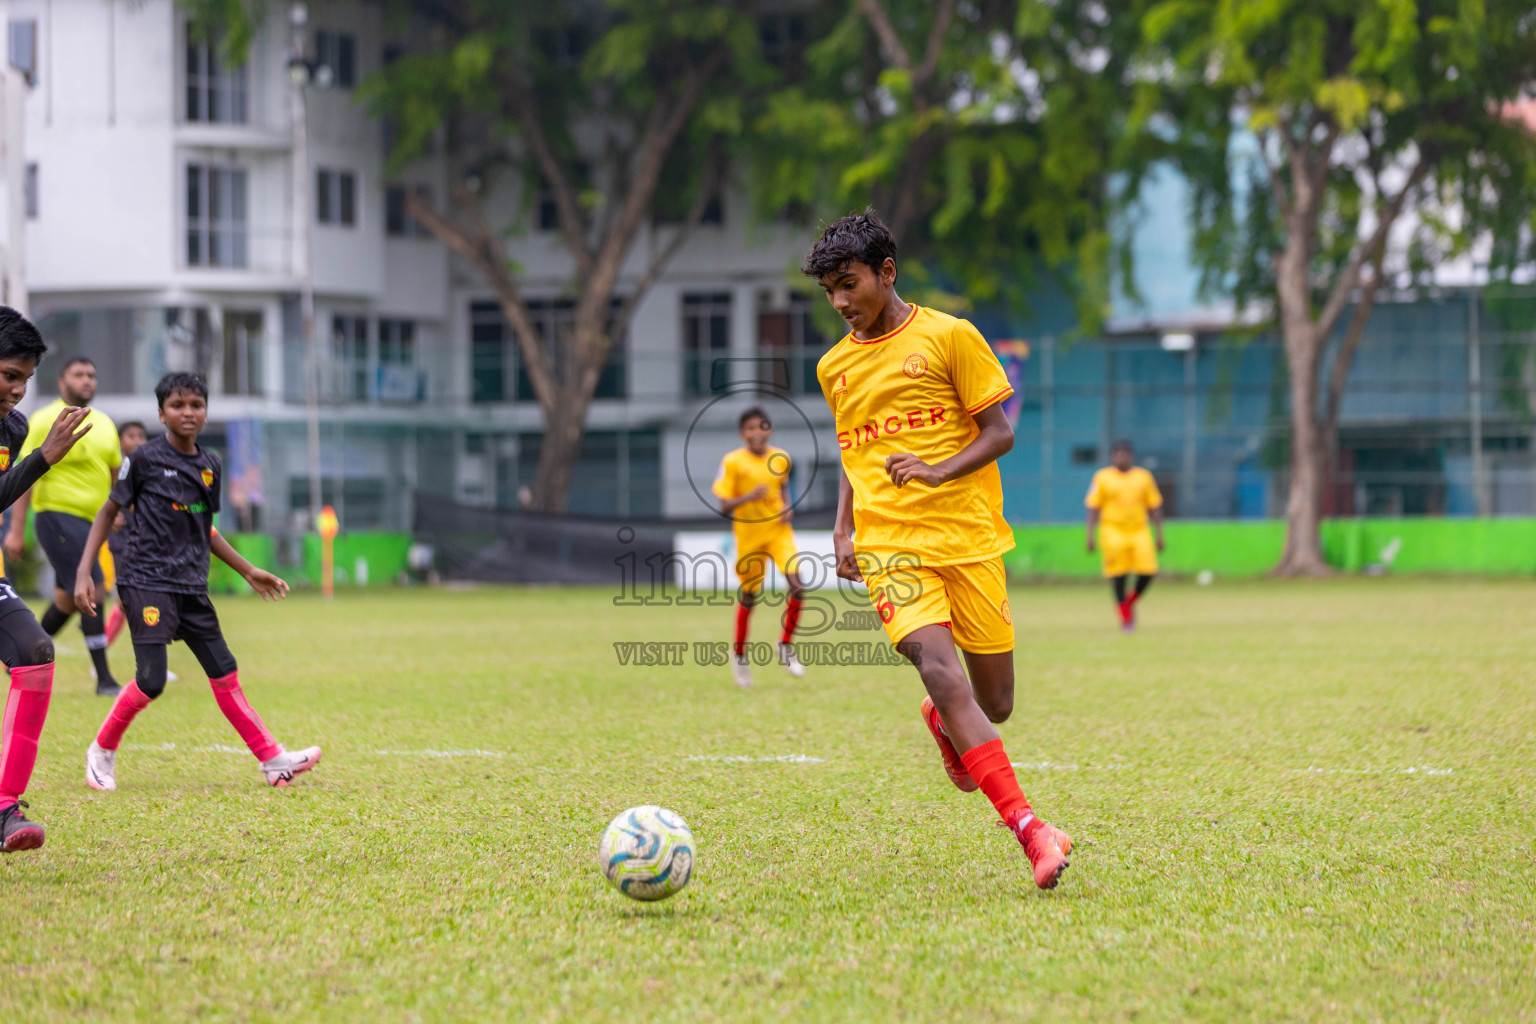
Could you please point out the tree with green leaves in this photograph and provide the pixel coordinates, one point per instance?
(1336, 147)
(984, 132)
(611, 109)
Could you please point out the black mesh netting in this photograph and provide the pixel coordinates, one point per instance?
(496, 545)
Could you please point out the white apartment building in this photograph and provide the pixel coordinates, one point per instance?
(165, 229)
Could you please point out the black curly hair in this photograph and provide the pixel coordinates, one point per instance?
(856, 238)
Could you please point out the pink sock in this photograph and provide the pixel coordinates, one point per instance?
(115, 622)
(128, 704)
(26, 709)
(226, 690)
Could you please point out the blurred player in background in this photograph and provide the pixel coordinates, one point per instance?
(64, 502)
(129, 436)
(1121, 499)
(917, 396)
(752, 486)
(26, 650)
(172, 484)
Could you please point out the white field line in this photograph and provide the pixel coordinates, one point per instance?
(776, 759)
(1050, 766)
(1414, 770)
(440, 753)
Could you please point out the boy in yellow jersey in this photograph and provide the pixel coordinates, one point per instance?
(917, 396)
(752, 487)
(1120, 500)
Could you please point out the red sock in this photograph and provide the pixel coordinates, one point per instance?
(26, 709)
(989, 766)
(128, 704)
(1125, 610)
(743, 613)
(226, 690)
(791, 620)
(1135, 596)
(115, 622)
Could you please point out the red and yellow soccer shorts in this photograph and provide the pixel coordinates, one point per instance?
(1127, 551)
(752, 558)
(972, 598)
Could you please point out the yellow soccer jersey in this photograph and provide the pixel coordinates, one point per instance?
(756, 522)
(1124, 498)
(915, 390)
(79, 484)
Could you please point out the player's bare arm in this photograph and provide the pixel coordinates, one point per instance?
(1093, 530)
(100, 527)
(993, 442)
(268, 585)
(1156, 515)
(729, 505)
(842, 533)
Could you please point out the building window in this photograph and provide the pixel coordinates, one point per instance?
(349, 352)
(397, 342)
(783, 36)
(397, 222)
(496, 372)
(336, 197)
(337, 51)
(488, 353)
(215, 91)
(29, 191)
(22, 40)
(549, 212)
(793, 342)
(216, 216)
(242, 353)
(706, 337)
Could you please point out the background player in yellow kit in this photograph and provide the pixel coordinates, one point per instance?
(753, 486)
(917, 396)
(1121, 499)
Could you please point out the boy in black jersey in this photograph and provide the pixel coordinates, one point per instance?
(172, 484)
(26, 650)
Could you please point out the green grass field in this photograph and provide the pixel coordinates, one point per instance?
(1291, 802)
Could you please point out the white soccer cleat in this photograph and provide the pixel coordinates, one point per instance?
(741, 671)
(100, 768)
(790, 660)
(282, 768)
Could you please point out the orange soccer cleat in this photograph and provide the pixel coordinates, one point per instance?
(953, 766)
(1046, 847)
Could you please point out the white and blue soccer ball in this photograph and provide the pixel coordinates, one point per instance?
(647, 853)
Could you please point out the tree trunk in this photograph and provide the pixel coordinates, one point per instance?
(1303, 507)
(564, 428)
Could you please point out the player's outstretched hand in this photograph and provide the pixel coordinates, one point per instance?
(84, 603)
(904, 467)
(270, 587)
(15, 542)
(847, 560)
(63, 435)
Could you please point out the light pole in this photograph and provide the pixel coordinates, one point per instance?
(298, 77)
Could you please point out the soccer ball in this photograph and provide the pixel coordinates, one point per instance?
(647, 853)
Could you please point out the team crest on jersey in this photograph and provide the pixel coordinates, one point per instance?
(1007, 615)
(151, 616)
(207, 478)
(915, 366)
(5, 456)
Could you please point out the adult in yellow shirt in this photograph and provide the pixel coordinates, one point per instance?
(917, 399)
(66, 501)
(1121, 499)
(752, 486)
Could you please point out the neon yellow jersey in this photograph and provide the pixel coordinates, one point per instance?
(757, 523)
(80, 482)
(1124, 498)
(918, 389)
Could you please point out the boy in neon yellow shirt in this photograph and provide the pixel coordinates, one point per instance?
(1121, 499)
